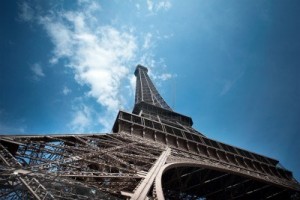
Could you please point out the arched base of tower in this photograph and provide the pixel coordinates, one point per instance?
(197, 182)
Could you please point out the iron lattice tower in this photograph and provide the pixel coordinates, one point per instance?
(153, 153)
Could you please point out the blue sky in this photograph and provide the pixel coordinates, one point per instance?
(233, 66)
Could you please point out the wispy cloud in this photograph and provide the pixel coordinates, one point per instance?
(163, 5)
(165, 76)
(157, 6)
(26, 12)
(37, 70)
(102, 57)
(150, 5)
(138, 6)
(147, 41)
(66, 90)
(81, 118)
(227, 86)
(132, 80)
(230, 83)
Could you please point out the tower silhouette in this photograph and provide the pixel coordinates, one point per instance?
(152, 153)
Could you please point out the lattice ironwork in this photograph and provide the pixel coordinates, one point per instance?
(146, 91)
(153, 153)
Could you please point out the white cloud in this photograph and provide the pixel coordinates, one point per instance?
(132, 80)
(137, 6)
(150, 5)
(147, 41)
(66, 90)
(61, 39)
(165, 76)
(167, 36)
(157, 6)
(37, 70)
(163, 5)
(100, 56)
(81, 119)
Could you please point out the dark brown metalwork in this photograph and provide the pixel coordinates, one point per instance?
(153, 153)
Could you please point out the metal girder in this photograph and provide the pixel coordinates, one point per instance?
(95, 169)
(124, 165)
(143, 188)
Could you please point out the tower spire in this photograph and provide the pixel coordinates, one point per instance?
(149, 103)
(146, 91)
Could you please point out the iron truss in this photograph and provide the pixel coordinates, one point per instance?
(74, 166)
(124, 166)
(153, 153)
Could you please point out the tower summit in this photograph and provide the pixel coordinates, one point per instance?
(148, 102)
(152, 153)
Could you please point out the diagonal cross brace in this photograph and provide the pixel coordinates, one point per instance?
(144, 187)
(80, 157)
(11, 160)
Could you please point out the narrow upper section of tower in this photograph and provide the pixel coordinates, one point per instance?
(149, 103)
(146, 91)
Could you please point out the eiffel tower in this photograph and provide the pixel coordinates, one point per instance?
(152, 153)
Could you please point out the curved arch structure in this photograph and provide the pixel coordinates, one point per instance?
(186, 185)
